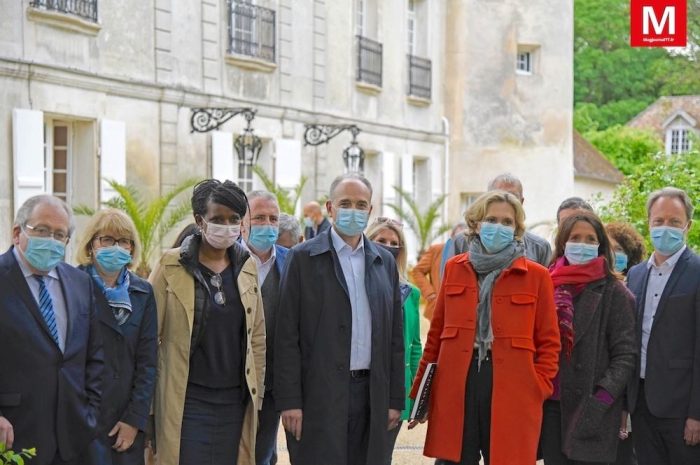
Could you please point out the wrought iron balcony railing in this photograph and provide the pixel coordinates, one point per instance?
(369, 61)
(85, 9)
(251, 30)
(419, 77)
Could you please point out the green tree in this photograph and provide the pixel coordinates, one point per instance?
(423, 222)
(153, 218)
(286, 198)
(10, 457)
(629, 199)
(625, 147)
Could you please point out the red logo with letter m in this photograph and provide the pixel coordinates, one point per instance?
(658, 23)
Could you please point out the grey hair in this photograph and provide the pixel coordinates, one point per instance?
(289, 224)
(671, 193)
(345, 177)
(507, 179)
(574, 203)
(261, 194)
(24, 212)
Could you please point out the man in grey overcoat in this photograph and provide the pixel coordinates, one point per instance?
(338, 371)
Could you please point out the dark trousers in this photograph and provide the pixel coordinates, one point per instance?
(266, 439)
(211, 431)
(358, 421)
(476, 438)
(101, 452)
(550, 439)
(392, 434)
(659, 441)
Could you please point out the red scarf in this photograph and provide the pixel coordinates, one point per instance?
(569, 281)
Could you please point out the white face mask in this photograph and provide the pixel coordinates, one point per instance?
(221, 236)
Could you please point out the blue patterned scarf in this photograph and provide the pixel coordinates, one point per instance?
(117, 296)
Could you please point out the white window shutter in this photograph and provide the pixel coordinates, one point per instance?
(28, 154)
(287, 162)
(407, 172)
(224, 164)
(435, 175)
(112, 156)
(389, 178)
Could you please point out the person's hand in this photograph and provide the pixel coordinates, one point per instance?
(291, 420)
(415, 423)
(431, 297)
(126, 434)
(692, 432)
(7, 433)
(394, 418)
(623, 434)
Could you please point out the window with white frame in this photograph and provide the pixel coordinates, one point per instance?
(525, 59)
(411, 27)
(466, 199)
(58, 156)
(360, 17)
(680, 140)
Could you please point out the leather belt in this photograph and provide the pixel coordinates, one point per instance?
(359, 373)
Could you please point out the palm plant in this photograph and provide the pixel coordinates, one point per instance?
(286, 198)
(153, 219)
(10, 457)
(423, 223)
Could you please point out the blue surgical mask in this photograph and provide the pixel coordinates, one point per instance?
(44, 253)
(579, 253)
(112, 259)
(263, 237)
(495, 237)
(351, 222)
(667, 240)
(620, 261)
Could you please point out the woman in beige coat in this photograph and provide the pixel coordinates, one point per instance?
(211, 333)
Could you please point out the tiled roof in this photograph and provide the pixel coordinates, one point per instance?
(658, 113)
(590, 163)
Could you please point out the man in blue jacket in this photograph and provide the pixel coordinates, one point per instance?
(664, 394)
(51, 356)
(260, 231)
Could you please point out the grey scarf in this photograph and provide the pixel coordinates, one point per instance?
(488, 267)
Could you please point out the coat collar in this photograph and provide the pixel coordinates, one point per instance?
(323, 243)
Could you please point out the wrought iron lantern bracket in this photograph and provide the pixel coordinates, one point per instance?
(209, 119)
(353, 155)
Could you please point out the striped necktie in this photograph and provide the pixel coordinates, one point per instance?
(46, 309)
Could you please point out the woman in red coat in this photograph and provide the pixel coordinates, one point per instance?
(495, 339)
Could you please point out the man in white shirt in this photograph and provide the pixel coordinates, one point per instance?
(339, 366)
(260, 230)
(664, 396)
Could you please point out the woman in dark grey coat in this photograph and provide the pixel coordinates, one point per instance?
(596, 322)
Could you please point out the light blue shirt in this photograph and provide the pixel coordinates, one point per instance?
(53, 285)
(263, 268)
(658, 278)
(353, 264)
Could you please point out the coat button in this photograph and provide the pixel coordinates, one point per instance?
(499, 300)
(249, 329)
(578, 366)
(341, 328)
(247, 371)
(249, 310)
(253, 391)
(255, 290)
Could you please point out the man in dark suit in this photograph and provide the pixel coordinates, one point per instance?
(314, 221)
(260, 231)
(51, 356)
(664, 395)
(339, 363)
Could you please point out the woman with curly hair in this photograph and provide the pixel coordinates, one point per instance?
(627, 244)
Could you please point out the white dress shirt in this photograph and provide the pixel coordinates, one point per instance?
(658, 278)
(53, 285)
(353, 264)
(263, 268)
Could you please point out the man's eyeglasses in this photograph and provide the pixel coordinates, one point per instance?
(43, 231)
(390, 221)
(109, 241)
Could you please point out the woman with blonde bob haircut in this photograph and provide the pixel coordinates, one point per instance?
(495, 340)
(129, 332)
(388, 234)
